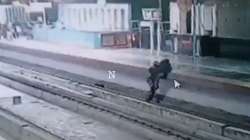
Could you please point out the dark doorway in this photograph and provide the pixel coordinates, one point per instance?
(189, 21)
(235, 48)
(210, 46)
(145, 37)
(225, 48)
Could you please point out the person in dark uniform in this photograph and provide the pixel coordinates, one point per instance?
(153, 79)
(157, 71)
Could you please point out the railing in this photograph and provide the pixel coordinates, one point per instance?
(94, 17)
(12, 14)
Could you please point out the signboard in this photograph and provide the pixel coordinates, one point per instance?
(151, 14)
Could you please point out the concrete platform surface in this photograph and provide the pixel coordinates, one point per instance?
(235, 103)
(217, 67)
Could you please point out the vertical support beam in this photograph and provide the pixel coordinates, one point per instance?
(159, 29)
(140, 34)
(44, 17)
(158, 38)
(176, 44)
(194, 28)
(151, 37)
(198, 47)
(214, 21)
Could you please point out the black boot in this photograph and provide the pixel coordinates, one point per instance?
(151, 96)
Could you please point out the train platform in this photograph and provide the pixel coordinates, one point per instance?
(235, 70)
(217, 67)
(226, 81)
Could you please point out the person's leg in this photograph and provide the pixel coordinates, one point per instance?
(157, 81)
(151, 96)
(15, 33)
(159, 98)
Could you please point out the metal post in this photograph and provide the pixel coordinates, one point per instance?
(140, 35)
(151, 38)
(44, 17)
(159, 29)
(158, 38)
(194, 30)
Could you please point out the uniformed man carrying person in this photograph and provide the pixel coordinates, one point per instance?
(157, 71)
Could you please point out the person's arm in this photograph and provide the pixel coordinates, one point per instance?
(150, 69)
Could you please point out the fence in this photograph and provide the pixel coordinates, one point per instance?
(95, 17)
(12, 14)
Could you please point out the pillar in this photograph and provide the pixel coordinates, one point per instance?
(184, 6)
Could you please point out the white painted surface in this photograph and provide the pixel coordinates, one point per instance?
(208, 17)
(3, 18)
(10, 13)
(214, 21)
(39, 6)
(95, 17)
(174, 17)
(101, 2)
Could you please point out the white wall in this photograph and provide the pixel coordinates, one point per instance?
(39, 6)
(3, 18)
(174, 18)
(101, 2)
(9, 13)
(95, 17)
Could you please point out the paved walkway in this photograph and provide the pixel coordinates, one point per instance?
(225, 68)
(234, 103)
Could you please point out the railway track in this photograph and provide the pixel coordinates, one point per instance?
(70, 92)
(97, 97)
(204, 112)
